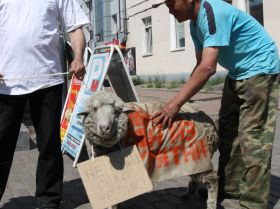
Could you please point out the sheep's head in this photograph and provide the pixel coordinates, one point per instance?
(105, 123)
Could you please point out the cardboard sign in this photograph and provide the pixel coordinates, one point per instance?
(114, 178)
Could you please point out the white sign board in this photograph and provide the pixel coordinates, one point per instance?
(73, 140)
(106, 60)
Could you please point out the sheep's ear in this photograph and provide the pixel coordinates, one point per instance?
(84, 113)
(118, 105)
(127, 109)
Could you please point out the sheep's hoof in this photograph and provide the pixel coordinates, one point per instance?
(185, 195)
(203, 193)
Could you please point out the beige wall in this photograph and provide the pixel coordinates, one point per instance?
(162, 60)
(165, 61)
(272, 19)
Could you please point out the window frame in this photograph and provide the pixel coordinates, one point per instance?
(173, 36)
(146, 28)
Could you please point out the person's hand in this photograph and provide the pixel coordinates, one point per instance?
(167, 115)
(1, 78)
(78, 68)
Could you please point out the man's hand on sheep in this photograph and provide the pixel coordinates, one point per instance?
(167, 115)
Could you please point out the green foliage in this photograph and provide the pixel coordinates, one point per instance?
(213, 82)
(158, 82)
(149, 85)
(137, 80)
(182, 79)
(173, 84)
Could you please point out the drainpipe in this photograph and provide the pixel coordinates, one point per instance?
(91, 36)
(125, 19)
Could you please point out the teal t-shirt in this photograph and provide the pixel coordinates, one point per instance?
(245, 48)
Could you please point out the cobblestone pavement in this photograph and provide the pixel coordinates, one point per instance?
(166, 195)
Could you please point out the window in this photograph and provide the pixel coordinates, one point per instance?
(148, 38)
(255, 8)
(177, 34)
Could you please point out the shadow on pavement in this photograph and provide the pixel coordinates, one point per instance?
(274, 191)
(27, 202)
(165, 199)
(74, 194)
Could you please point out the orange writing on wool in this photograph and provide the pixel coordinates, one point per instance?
(184, 143)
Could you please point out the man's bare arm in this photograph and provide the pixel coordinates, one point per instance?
(200, 75)
(77, 40)
(198, 55)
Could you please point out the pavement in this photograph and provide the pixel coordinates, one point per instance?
(166, 195)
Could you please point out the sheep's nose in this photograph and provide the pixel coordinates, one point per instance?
(104, 128)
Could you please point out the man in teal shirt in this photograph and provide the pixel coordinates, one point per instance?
(225, 35)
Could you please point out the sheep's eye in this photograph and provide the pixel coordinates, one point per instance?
(94, 109)
(117, 112)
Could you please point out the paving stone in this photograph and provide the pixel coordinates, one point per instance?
(23, 142)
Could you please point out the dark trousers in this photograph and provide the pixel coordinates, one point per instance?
(45, 109)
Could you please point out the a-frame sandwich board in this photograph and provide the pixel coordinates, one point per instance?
(106, 61)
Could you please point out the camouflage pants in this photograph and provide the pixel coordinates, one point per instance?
(247, 121)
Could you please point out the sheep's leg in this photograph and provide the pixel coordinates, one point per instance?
(191, 188)
(211, 181)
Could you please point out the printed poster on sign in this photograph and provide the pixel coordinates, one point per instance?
(130, 60)
(73, 91)
(92, 82)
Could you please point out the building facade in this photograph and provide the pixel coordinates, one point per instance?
(157, 43)
(164, 47)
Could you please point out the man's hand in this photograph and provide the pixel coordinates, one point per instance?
(77, 40)
(167, 115)
(1, 78)
(78, 68)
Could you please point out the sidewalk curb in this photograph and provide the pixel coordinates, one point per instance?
(178, 89)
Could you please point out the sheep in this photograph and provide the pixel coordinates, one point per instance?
(106, 123)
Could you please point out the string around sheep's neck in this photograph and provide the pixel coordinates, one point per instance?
(2, 78)
(121, 147)
(92, 154)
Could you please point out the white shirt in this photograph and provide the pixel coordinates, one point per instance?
(29, 41)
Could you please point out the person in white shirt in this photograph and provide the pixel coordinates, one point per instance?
(30, 70)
